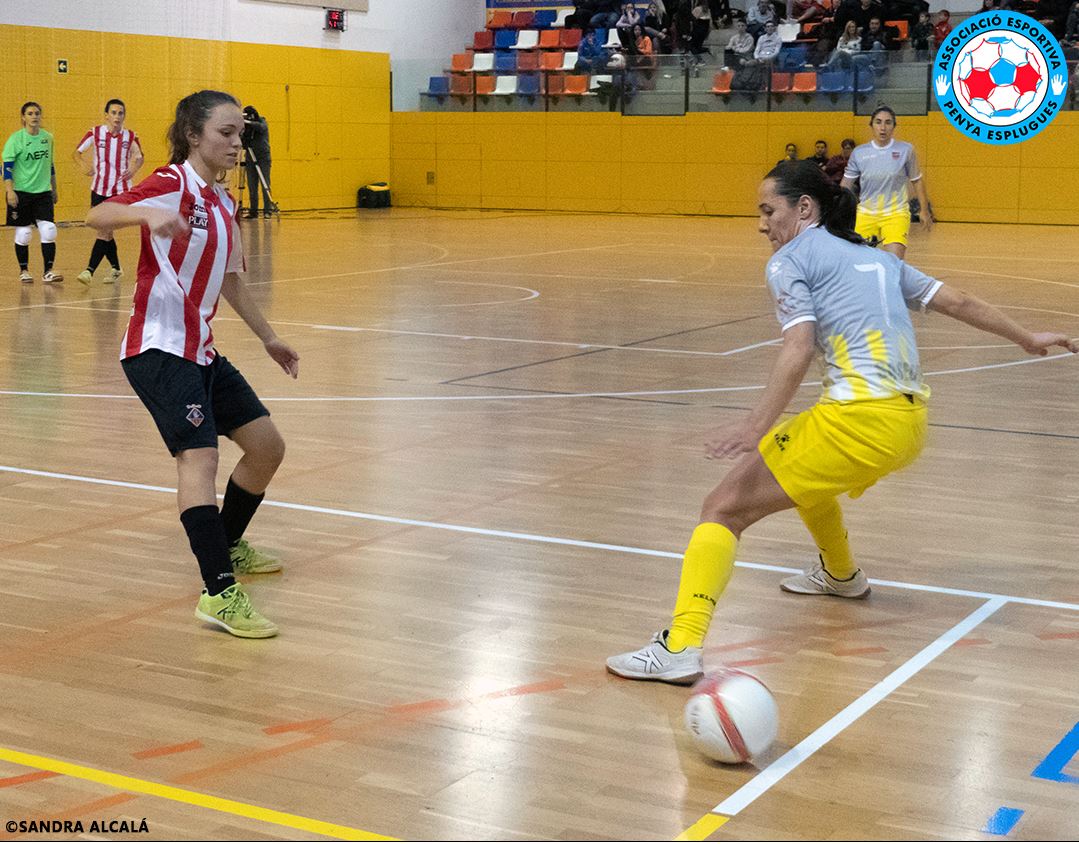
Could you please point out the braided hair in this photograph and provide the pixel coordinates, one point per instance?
(838, 205)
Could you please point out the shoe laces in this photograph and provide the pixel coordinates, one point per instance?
(239, 604)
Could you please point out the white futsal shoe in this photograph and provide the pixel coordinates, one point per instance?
(656, 662)
(816, 581)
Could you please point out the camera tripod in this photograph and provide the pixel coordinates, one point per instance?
(271, 206)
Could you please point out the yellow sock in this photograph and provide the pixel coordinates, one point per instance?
(706, 569)
(825, 523)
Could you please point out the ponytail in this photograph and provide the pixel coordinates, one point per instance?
(192, 113)
(838, 205)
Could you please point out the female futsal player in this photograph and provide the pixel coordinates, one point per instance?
(833, 293)
(883, 168)
(191, 255)
(30, 183)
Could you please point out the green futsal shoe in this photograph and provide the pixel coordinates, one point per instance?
(248, 560)
(232, 610)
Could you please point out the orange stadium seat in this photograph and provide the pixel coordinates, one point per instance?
(577, 84)
(523, 20)
(556, 84)
(462, 61)
(902, 26)
(570, 40)
(500, 20)
(722, 83)
(528, 61)
(549, 39)
(804, 83)
(485, 84)
(484, 40)
(781, 83)
(552, 60)
(461, 84)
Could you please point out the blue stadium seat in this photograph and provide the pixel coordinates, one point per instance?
(866, 80)
(505, 39)
(544, 18)
(505, 62)
(439, 86)
(792, 58)
(528, 84)
(831, 81)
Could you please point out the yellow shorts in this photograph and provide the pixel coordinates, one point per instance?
(844, 447)
(889, 228)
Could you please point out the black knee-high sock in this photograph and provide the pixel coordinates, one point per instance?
(22, 255)
(237, 510)
(48, 254)
(96, 254)
(206, 533)
(112, 254)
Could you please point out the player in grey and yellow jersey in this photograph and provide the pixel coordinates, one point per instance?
(883, 169)
(838, 296)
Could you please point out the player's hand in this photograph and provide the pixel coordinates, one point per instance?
(731, 441)
(89, 171)
(926, 217)
(165, 223)
(55, 196)
(12, 199)
(1042, 341)
(285, 356)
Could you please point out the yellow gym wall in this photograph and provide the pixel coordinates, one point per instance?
(328, 110)
(708, 163)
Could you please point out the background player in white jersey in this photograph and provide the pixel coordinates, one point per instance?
(30, 183)
(884, 168)
(191, 255)
(111, 156)
(835, 295)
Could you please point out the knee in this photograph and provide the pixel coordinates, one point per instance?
(271, 450)
(197, 461)
(721, 508)
(22, 235)
(47, 230)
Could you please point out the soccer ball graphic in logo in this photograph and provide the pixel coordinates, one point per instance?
(998, 77)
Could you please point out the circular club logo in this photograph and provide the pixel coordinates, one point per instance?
(1000, 77)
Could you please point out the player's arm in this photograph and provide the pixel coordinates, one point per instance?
(52, 181)
(236, 294)
(795, 355)
(135, 159)
(9, 184)
(973, 311)
(78, 155)
(109, 216)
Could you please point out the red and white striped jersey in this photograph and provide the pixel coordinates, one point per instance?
(179, 278)
(112, 154)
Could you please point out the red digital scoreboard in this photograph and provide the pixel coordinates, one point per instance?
(335, 19)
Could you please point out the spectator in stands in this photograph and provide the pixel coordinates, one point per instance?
(604, 13)
(943, 28)
(876, 39)
(921, 36)
(721, 12)
(768, 44)
(629, 19)
(591, 55)
(702, 25)
(739, 48)
(657, 26)
(644, 52)
(848, 46)
(803, 11)
(1071, 27)
(758, 15)
(790, 153)
(860, 11)
(837, 164)
(820, 154)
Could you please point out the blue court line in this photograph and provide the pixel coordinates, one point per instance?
(1052, 766)
(1003, 820)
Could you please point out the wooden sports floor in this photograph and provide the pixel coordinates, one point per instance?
(495, 460)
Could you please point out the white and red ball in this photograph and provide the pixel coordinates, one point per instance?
(731, 716)
(998, 77)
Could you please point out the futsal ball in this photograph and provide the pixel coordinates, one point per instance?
(731, 716)
(999, 77)
(617, 62)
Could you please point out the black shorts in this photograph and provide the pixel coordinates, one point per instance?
(96, 199)
(192, 403)
(32, 207)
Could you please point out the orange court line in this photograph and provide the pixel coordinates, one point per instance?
(34, 776)
(167, 750)
(859, 651)
(764, 660)
(966, 643)
(298, 726)
(1074, 634)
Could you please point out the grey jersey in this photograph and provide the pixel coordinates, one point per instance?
(883, 173)
(860, 299)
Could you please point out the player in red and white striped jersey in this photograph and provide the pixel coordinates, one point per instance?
(191, 255)
(116, 158)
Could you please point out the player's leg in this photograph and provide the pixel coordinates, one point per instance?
(895, 233)
(747, 494)
(46, 227)
(835, 573)
(104, 247)
(21, 217)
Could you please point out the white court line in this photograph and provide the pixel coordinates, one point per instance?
(534, 537)
(794, 757)
(532, 294)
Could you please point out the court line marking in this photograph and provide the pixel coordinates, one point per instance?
(535, 537)
(777, 770)
(193, 798)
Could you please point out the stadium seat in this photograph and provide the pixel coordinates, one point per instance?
(483, 62)
(548, 39)
(528, 84)
(781, 83)
(804, 83)
(832, 81)
(439, 86)
(613, 42)
(556, 84)
(902, 26)
(570, 40)
(461, 85)
(505, 38)
(544, 18)
(867, 81)
(722, 82)
(527, 39)
(788, 31)
(552, 60)
(600, 79)
(485, 85)
(505, 85)
(807, 28)
(523, 20)
(461, 62)
(528, 61)
(560, 21)
(576, 84)
(484, 40)
(569, 60)
(792, 58)
(500, 20)
(505, 62)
